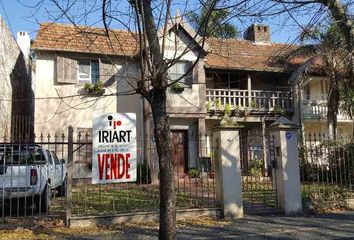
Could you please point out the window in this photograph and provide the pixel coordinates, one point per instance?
(308, 92)
(56, 159)
(178, 70)
(88, 72)
(21, 156)
(50, 157)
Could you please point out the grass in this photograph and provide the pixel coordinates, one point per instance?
(123, 198)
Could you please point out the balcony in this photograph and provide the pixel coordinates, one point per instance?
(317, 110)
(255, 101)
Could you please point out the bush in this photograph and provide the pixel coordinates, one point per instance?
(193, 173)
(331, 198)
(255, 168)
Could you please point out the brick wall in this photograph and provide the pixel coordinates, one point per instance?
(258, 33)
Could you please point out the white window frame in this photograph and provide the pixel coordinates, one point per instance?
(183, 80)
(83, 80)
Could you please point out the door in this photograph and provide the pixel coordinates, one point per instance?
(58, 170)
(180, 152)
(51, 168)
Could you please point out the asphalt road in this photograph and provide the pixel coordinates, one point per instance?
(326, 226)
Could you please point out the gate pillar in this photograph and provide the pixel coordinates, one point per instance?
(228, 171)
(287, 174)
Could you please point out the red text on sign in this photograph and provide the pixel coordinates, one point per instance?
(113, 166)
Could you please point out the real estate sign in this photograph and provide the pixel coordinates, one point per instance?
(114, 148)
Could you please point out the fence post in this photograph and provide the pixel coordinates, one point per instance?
(287, 173)
(70, 175)
(228, 171)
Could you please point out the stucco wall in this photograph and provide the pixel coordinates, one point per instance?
(15, 83)
(181, 46)
(7, 61)
(318, 89)
(58, 106)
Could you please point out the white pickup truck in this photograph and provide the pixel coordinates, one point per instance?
(30, 172)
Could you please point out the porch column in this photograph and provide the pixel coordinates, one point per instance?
(249, 87)
(202, 138)
(287, 173)
(228, 171)
(264, 148)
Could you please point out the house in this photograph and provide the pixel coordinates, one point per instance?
(16, 103)
(247, 79)
(69, 63)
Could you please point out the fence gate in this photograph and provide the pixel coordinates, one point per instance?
(258, 176)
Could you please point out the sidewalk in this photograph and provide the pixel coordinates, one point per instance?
(326, 226)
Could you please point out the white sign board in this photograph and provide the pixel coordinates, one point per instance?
(114, 148)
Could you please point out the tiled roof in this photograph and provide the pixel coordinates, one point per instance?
(244, 54)
(224, 54)
(64, 37)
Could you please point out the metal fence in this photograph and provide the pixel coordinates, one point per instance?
(50, 176)
(326, 171)
(194, 180)
(258, 175)
(32, 174)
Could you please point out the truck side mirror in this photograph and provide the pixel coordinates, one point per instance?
(62, 161)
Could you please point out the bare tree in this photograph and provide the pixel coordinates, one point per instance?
(149, 23)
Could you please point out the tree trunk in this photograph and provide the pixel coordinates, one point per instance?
(164, 150)
(333, 100)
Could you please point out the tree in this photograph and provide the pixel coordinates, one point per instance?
(336, 45)
(218, 24)
(329, 45)
(150, 24)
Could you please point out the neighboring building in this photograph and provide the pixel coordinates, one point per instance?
(314, 110)
(248, 78)
(16, 101)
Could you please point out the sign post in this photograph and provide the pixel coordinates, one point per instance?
(114, 152)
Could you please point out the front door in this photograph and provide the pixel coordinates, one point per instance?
(180, 152)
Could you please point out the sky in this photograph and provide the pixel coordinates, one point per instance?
(23, 18)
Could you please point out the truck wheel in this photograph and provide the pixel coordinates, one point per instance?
(43, 202)
(62, 188)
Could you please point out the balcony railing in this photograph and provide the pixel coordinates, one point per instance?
(317, 109)
(252, 100)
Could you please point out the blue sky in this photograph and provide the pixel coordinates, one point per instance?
(20, 18)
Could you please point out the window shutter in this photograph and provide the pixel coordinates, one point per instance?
(190, 77)
(102, 71)
(66, 70)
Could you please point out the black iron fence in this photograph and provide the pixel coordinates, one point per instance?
(32, 177)
(326, 171)
(194, 180)
(50, 176)
(258, 175)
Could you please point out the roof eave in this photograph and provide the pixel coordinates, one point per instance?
(79, 51)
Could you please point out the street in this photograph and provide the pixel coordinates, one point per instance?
(325, 226)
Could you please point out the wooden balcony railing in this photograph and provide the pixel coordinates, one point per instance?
(253, 99)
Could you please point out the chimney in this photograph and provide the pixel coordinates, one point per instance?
(258, 33)
(24, 42)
